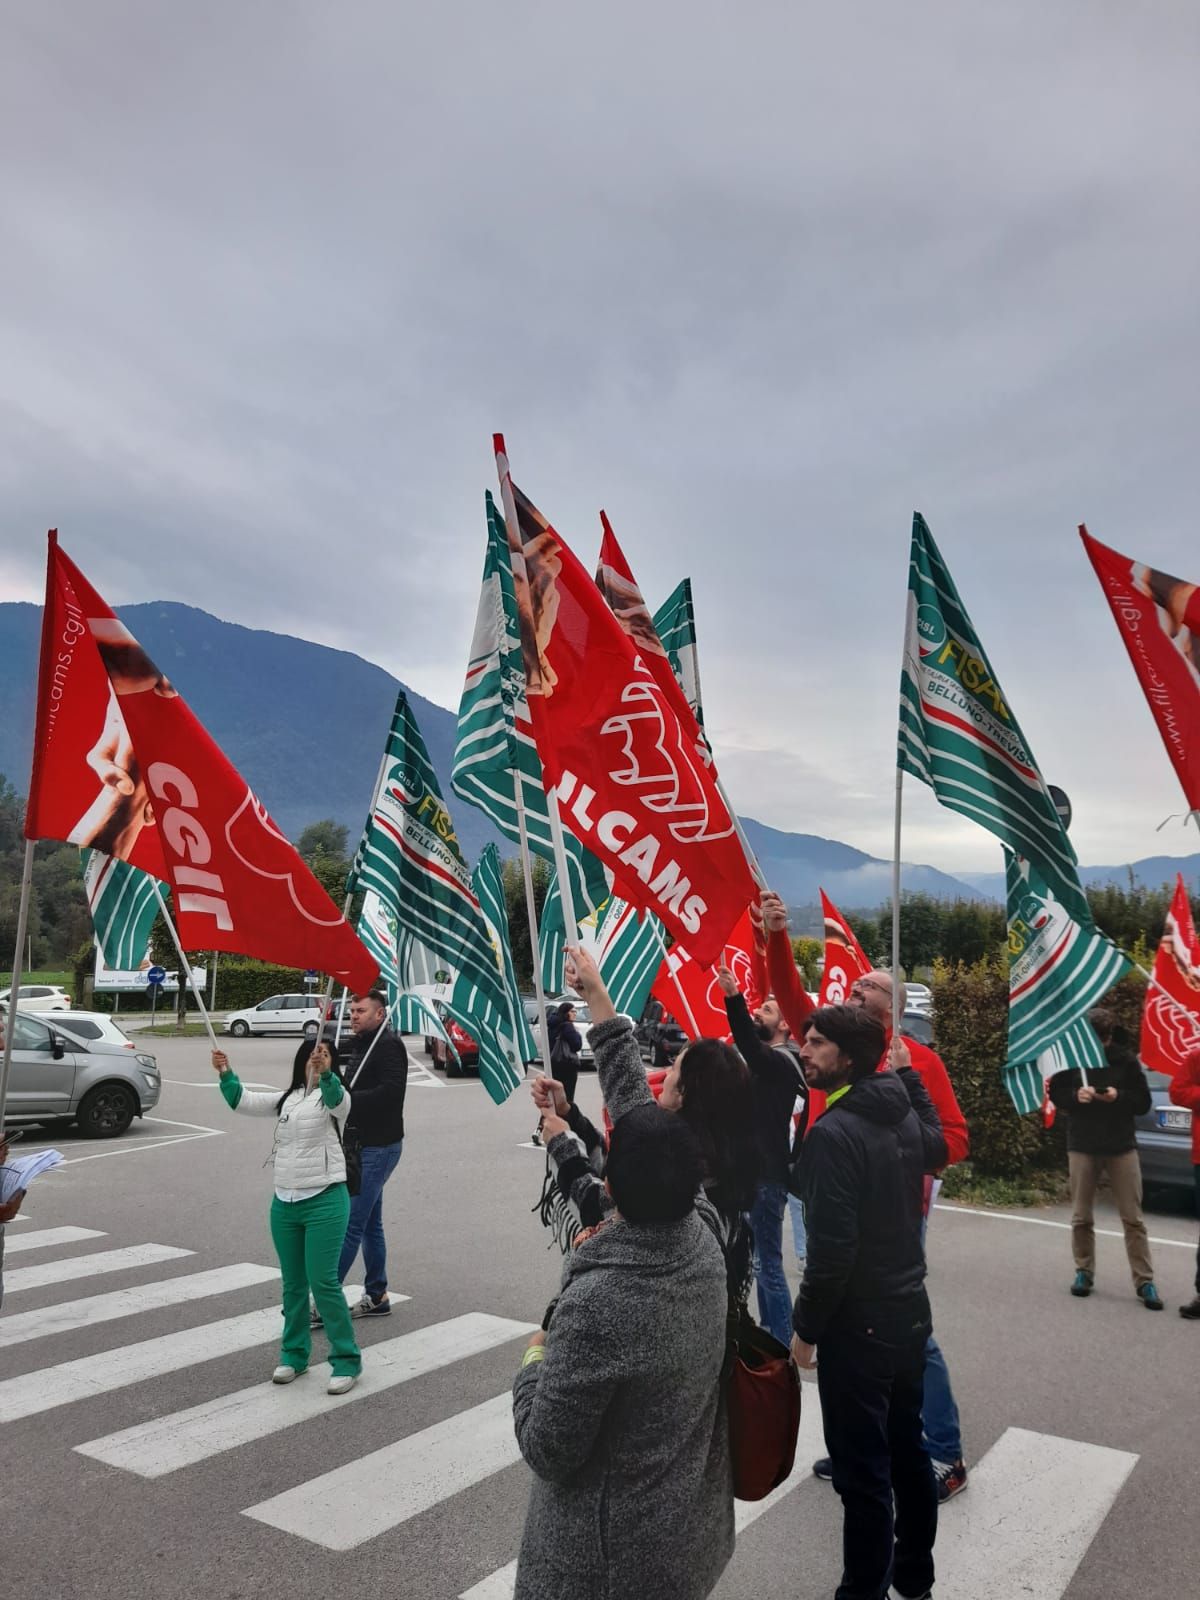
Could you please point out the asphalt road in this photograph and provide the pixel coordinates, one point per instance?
(1080, 1416)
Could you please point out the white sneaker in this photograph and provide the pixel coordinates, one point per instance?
(342, 1385)
(285, 1374)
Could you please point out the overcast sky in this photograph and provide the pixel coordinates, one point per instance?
(758, 279)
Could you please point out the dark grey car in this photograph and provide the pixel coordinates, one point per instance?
(1164, 1139)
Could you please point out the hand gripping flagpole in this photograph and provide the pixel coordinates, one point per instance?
(183, 962)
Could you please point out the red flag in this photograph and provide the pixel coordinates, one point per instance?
(121, 764)
(844, 958)
(1158, 617)
(1171, 1015)
(629, 781)
(691, 993)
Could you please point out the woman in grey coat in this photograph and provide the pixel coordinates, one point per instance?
(619, 1407)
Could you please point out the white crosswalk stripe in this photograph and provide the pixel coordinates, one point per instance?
(344, 1508)
(85, 1313)
(104, 1261)
(46, 1238)
(153, 1449)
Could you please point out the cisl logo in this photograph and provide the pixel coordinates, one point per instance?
(931, 629)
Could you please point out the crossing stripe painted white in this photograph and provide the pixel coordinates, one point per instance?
(165, 1444)
(104, 1261)
(499, 1585)
(117, 1303)
(1035, 1504)
(344, 1508)
(50, 1387)
(45, 1238)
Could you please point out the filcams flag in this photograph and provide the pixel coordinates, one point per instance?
(123, 905)
(1158, 617)
(1171, 1014)
(409, 856)
(122, 765)
(495, 750)
(629, 782)
(958, 733)
(675, 624)
(845, 960)
(1057, 971)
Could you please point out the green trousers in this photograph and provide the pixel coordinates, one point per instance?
(308, 1238)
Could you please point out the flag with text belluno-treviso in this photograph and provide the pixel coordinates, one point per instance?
(410, 857)
(958, 733)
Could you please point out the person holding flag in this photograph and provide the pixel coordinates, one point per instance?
(1185, 1091)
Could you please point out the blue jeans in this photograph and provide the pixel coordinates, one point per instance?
(766, 1224)
(943, 1432)
(366, 1218)
(799, 1231)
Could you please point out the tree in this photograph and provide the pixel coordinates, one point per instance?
(323, 846)
(518, 918)
(920, 931)
(807, 953)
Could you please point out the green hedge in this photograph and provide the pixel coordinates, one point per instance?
(241, 982)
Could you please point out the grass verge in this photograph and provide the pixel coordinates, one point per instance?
(1037, 1187)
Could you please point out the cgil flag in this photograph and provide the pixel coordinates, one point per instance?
(1057, 971)
(495, 752)
(691, 993)
(845, 960)
(410, 857)
(1158, 617)
(627, 776)
(958, 733)
(122, 765)
(1171, 1013)
(123, 905)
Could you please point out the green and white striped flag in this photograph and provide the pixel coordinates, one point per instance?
(675, 623)
(509, 1039)
(1057, 971)
(958, 733)
(409, 856)
(123, 905)
(1077, 1046)
(495, 749)
(631, 952)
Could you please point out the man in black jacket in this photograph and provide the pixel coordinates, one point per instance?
(776, 1081)
(863, 1300)
(375, 1071)
(1100, 1133)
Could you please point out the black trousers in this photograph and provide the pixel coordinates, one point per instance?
(567, 1073)
(871, 1382)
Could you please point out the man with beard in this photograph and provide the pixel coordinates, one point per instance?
(862, 1301)
(776, 1080)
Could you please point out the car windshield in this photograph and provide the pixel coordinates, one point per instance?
(1158, 1080)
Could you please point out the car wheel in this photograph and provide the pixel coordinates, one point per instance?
(453, 1068)
(239, 1029)
(106, 1112)
(310, 1030)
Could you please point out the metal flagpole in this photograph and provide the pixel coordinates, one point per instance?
(15, 981)
(674, 975)
(531, 913)
(183, 961)
(896, 908)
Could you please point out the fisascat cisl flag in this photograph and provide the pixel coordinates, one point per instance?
(628, 780)
(122, 765)
(1158, 618)
(123, 905)
(675, 624)
(1171, 1011)
(958, 732)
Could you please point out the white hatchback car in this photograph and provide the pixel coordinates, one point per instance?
(87, 1026)
(39, 997)
(282, 1013)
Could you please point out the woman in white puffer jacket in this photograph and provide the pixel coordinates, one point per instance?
(310, 1208)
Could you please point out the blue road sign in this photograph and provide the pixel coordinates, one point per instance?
(156, 975)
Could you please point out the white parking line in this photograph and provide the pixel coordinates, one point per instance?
(1049, 1222)
(346, 1507)
(103, 1261)
(165, 1444)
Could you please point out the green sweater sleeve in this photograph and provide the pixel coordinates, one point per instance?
(332, 1090)
(231, 1088)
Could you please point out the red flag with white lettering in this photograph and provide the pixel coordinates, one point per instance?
(630, 783)
(844, 957)
(122, 765)
(1158, 617)
(1171, 1013)
(691, 993)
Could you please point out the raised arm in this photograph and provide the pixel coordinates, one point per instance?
(782, 973)
(618, 1060)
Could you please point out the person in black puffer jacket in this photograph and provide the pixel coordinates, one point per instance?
(863, 1300)
(1100, 1134)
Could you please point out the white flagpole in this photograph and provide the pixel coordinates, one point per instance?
(674, 976)
(896, 907)
(15, 981)
(183, 962)
(531, 913)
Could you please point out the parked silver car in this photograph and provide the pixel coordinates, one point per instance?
(1164, 1139)
(58, 1079)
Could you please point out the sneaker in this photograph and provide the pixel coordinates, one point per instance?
(367, 1307)
(894, 1594)
(342, 1385)
(314, 1316)
(951, 1478)
(535, 1138)
(1192, 1310)
(286, 1374)
(1150, 1297)
(1083, 1284)
(823, 1469)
